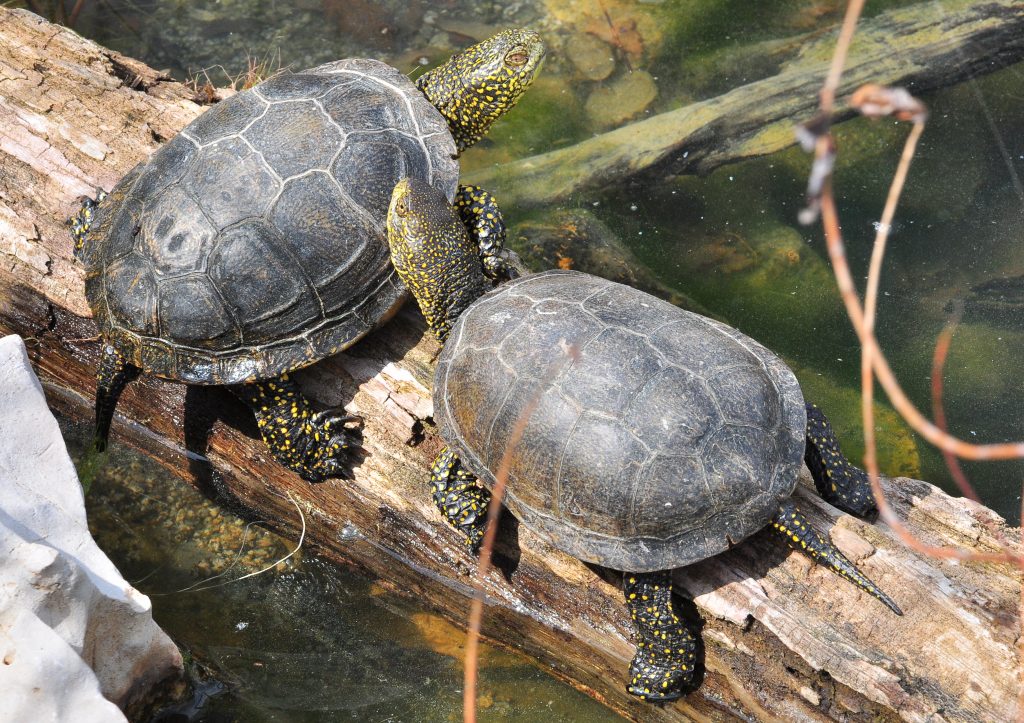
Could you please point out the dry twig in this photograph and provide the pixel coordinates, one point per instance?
(875, 101)
(938, 365)
(569, 353)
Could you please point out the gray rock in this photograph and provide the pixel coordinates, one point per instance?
(77, 641)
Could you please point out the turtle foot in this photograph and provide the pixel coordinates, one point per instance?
(329, 448)
(480, 213)
(654, 681)
(666, 651)
(316, 445)
(459, 497)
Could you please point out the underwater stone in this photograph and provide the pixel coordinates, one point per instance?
(593, 58)
(622, 99)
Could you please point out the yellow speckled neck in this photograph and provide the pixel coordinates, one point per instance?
(433, 254)
(480, 84)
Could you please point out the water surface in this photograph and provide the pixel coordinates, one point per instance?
(727, 243)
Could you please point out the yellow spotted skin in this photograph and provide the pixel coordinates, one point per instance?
(459, 496)
(435, 257)
(314, 444)
(82, 220)
(666, 652)
(837, 481)
(799, 534)
(479, 212)
(433, 254)
(480, 84)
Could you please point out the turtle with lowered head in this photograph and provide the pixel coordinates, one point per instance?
(668, 438)
(253, 244)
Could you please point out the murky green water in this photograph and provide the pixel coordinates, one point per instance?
(728, 242)
(302, 641)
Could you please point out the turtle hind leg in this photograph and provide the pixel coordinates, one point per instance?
(459, 497)
(314, 444)
(82, 220)
(801, 536)
(666, 651)
(838, 482)
(113, 375)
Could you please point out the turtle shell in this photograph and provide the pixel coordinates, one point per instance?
(253, 243)
(665, 440)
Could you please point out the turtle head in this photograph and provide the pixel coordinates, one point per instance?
(477, 86)
(433, 254)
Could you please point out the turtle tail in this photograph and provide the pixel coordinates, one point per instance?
(801, 536)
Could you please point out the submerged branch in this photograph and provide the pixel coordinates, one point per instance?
(936, 48)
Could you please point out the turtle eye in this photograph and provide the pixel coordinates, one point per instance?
(517, 57)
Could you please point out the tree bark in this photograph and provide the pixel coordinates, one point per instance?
(782, 638)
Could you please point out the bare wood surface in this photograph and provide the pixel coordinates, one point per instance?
(923, 46)
(783, 639)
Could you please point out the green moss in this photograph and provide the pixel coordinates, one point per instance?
(980, 375)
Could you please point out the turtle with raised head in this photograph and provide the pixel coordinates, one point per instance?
(252, 244)
(666, 439)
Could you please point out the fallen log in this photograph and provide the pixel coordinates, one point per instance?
(782, 638)
(923, 47)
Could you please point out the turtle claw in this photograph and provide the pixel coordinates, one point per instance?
(316, 445)
(656, 683)
(323, 460)
(339, 415)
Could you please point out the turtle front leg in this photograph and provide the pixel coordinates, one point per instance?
(314, 444)
(801, 536)
(82, 220)
(665, 650)
(459, 497)
(113, 375)
(479, 211)
(838, 482)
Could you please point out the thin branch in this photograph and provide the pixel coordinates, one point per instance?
(942, 345)
(1020, 628)
(837, 254)
(828, 90)
(877, 101)
(569, 352)
(73, 18)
